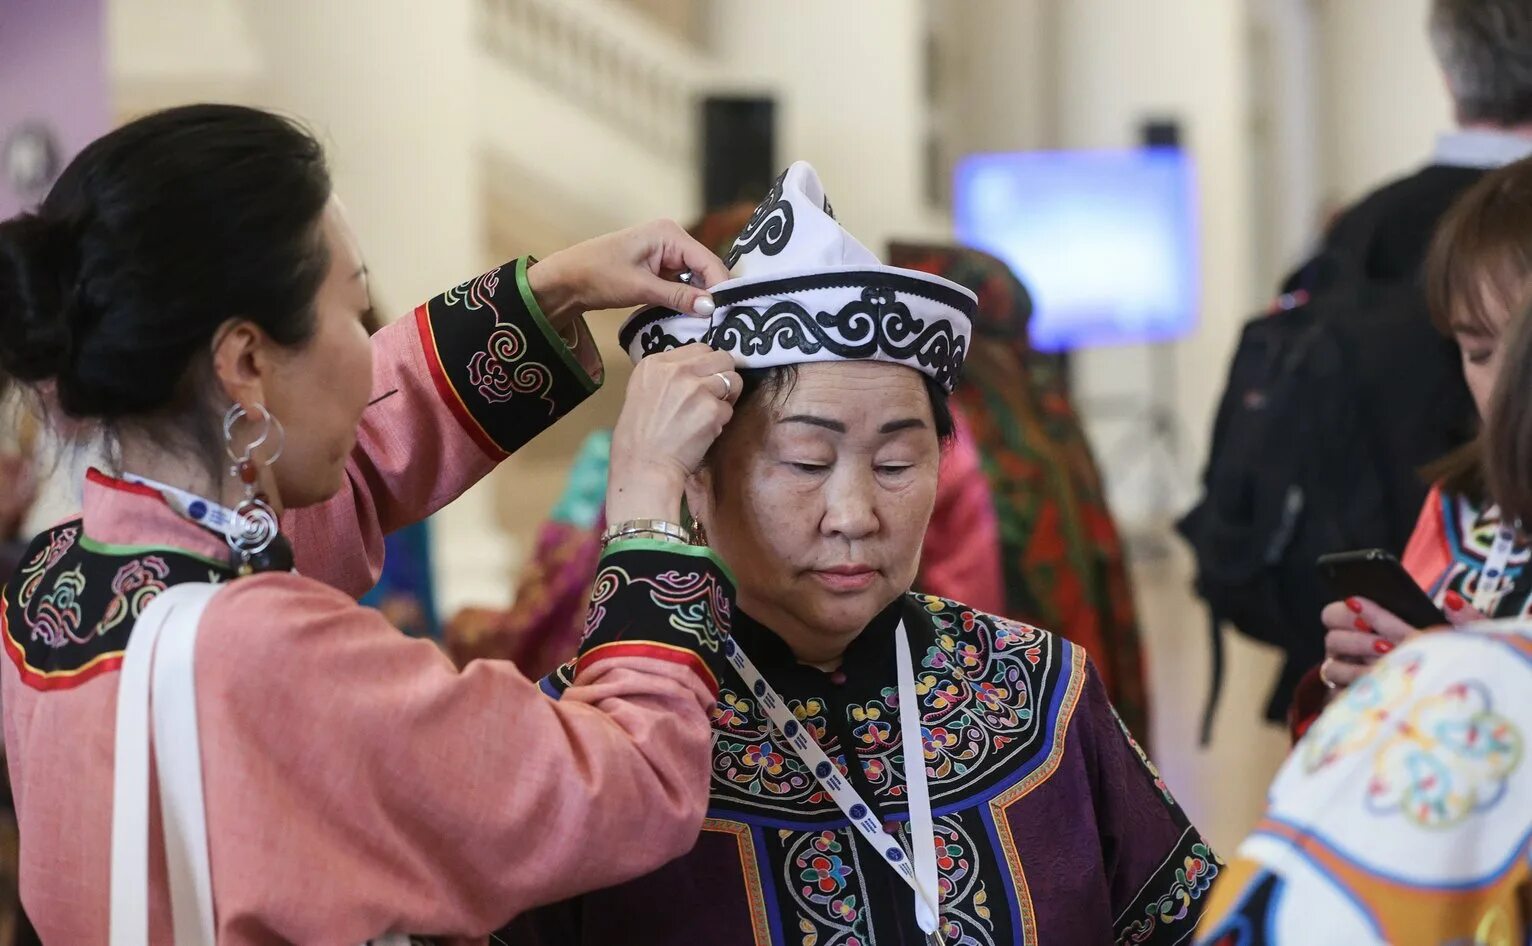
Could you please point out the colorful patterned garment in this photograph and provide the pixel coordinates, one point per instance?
(1063, 561)
(1052, 825)
(1447, 553)
(1404, 815)
(1450, 546)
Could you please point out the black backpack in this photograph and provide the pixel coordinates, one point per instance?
(1335, 399)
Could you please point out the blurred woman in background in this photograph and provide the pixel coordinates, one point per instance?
(1404, 815)
(1464, 552)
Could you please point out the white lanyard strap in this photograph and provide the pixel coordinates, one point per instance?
(1493, 579)
(922, 826)
(199, 509)
(921, 875)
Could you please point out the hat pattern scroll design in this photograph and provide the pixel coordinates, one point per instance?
(770, 227)
(875, 322)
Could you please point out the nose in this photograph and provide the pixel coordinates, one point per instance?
(850, 504)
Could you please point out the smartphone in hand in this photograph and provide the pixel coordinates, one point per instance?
(1377, 576)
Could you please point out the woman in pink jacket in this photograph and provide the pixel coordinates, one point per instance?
(191, 285)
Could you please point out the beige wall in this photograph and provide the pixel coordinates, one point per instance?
(849, 79)
(1122, 63)
(1382, 97)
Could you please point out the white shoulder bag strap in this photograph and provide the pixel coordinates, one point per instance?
(160, 660)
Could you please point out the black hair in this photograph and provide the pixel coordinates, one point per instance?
(777, 383)
(151, 238)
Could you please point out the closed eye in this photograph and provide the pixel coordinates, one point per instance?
(809, 467)
(891, 469)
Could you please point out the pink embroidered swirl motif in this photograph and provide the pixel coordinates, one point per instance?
(133, 587)
(490, 378)
(499, 372)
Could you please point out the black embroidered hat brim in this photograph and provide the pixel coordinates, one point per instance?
(835, 313)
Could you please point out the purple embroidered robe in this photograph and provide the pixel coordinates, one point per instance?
(1051, 825)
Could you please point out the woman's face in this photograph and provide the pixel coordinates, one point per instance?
(1479, 347)
(818, 499)
(318, 390)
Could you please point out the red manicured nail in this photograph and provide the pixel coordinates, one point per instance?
(1382, 647)
(1454, 601)
(1362, 625)
(1354, 605)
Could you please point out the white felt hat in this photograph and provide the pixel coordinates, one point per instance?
(804, 290)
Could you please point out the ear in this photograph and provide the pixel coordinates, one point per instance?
(240, 363)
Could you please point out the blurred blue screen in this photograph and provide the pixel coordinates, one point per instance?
(1106, 241)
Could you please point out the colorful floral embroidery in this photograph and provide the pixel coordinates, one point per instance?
(1354, 720)
(966, 916)
(821, 877)
(976, 701)
(1192, 878)
(828, 872)
(1449, 758)
(746, 757)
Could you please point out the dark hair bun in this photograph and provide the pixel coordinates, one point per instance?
(38, 270)
(152, 237)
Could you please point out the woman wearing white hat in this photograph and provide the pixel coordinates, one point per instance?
(1032, 816)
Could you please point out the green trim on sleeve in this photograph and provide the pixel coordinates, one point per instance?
(674, 548)
(555, 340)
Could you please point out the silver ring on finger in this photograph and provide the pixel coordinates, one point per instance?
(728, 386)
(1329, 684)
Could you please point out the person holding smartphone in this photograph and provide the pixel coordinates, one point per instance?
(1404, 815)
(1463, 552)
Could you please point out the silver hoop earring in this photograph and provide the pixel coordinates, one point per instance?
(270, 428)
(255, 542)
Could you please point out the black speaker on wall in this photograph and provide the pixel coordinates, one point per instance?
(739, 155)
(1160, 133)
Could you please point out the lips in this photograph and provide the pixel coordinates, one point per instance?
(845, 578)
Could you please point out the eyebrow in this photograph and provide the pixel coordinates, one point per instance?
(892, 427)
(813, 421)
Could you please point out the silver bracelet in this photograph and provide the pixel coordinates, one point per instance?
(666, 531)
